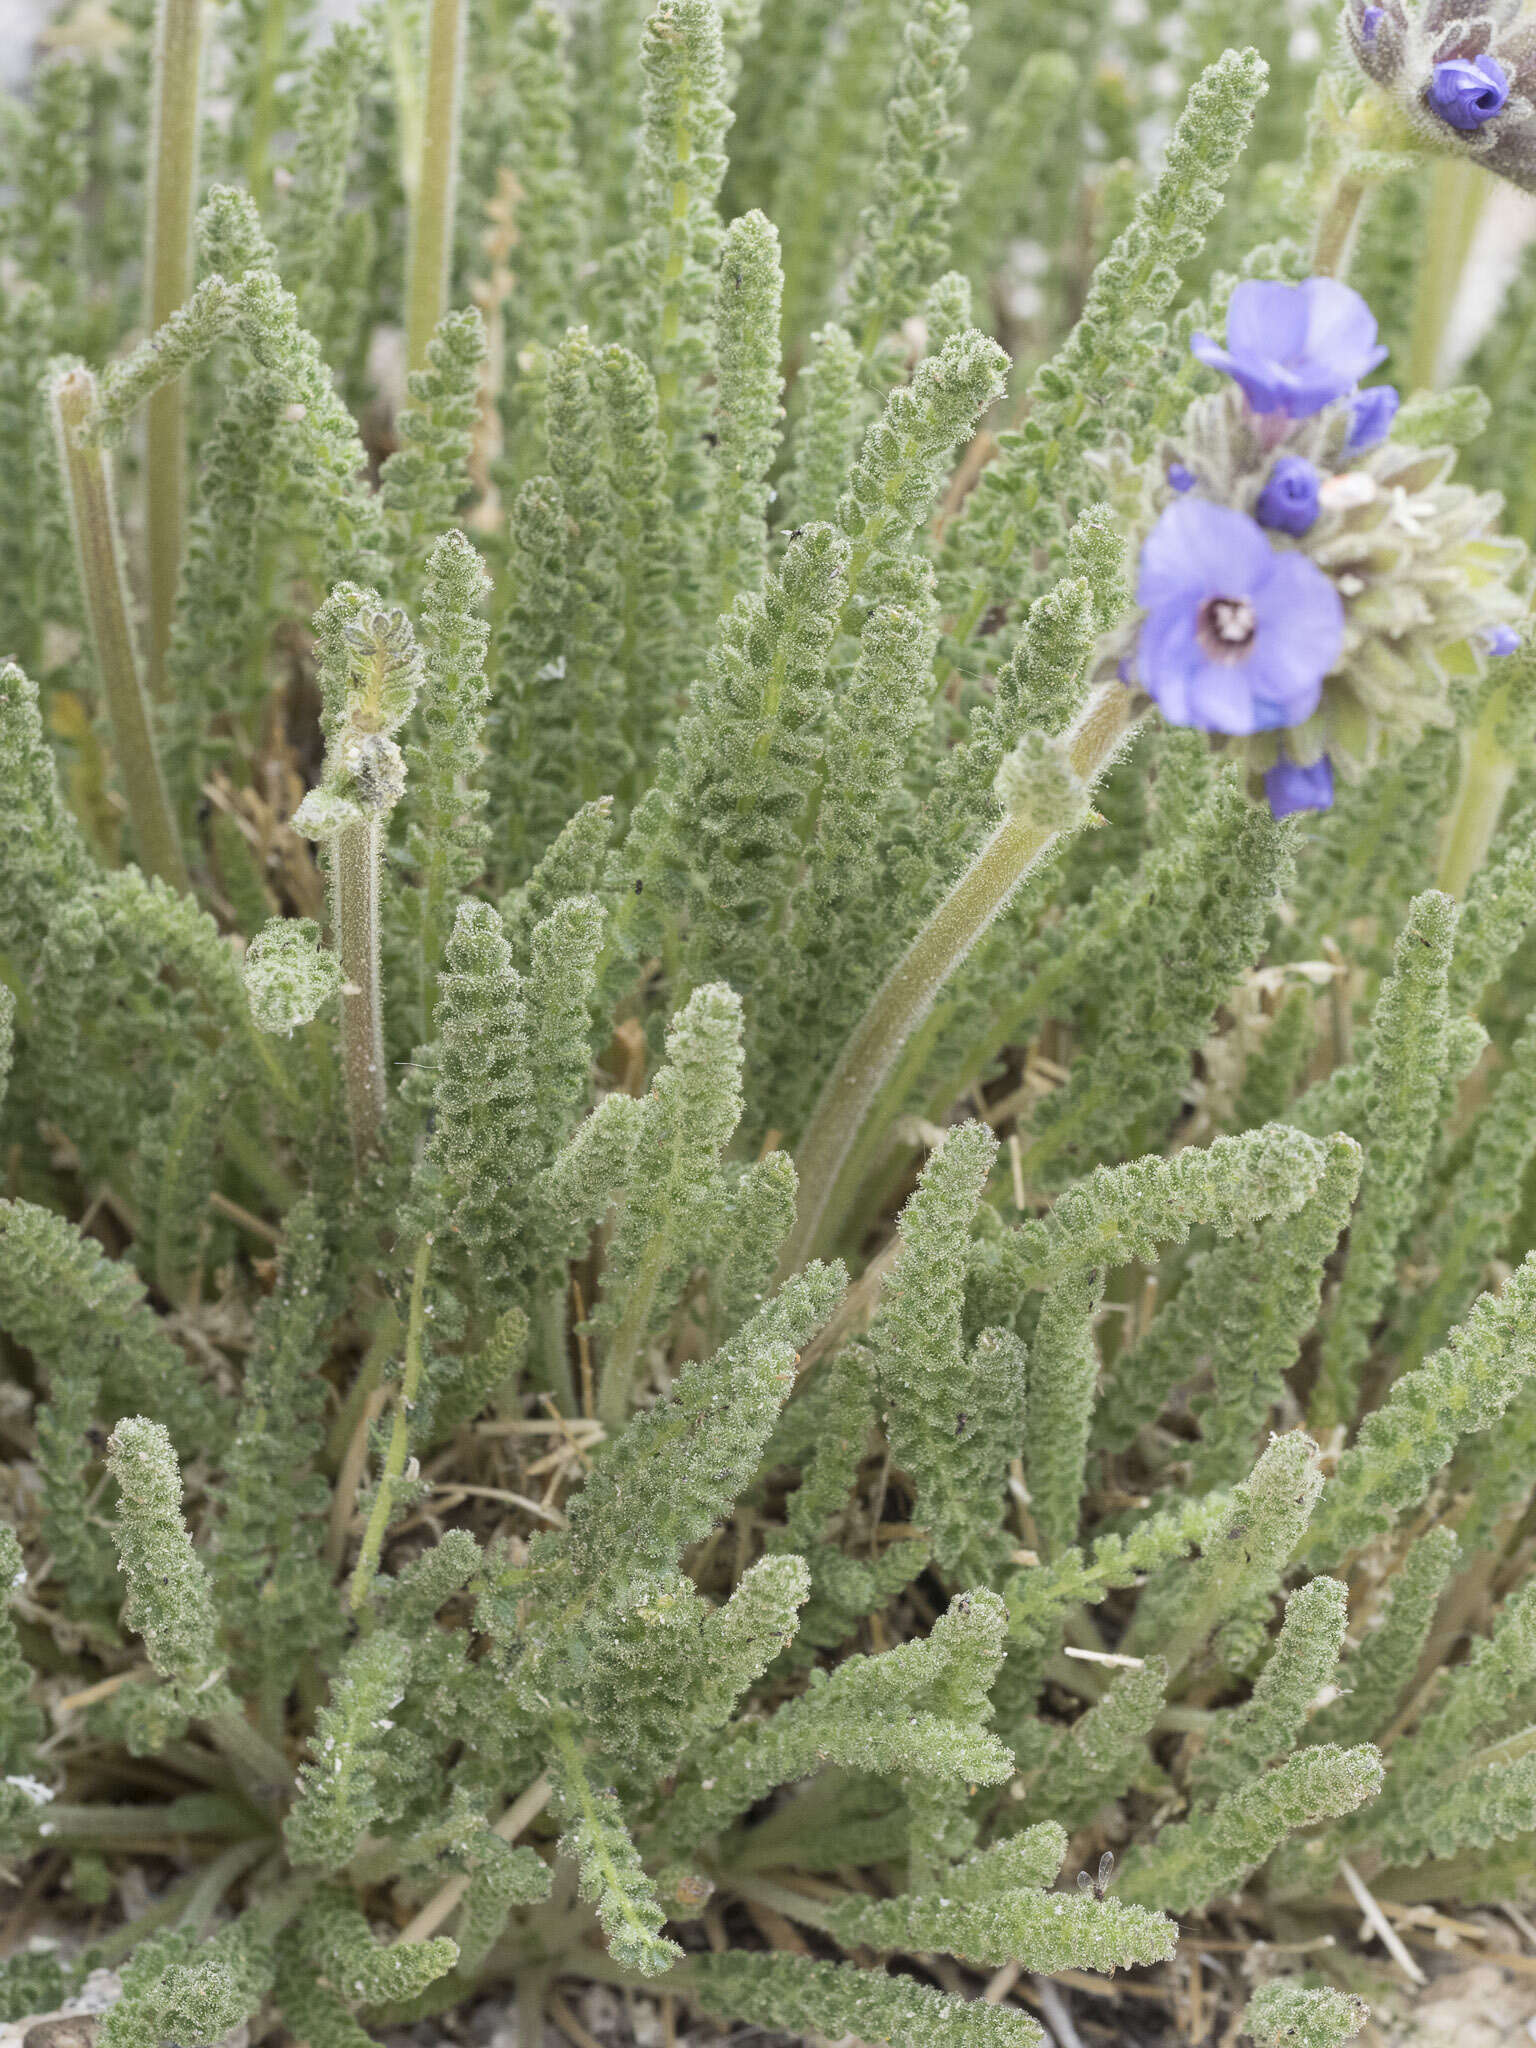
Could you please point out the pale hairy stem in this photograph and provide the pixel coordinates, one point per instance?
(178, 63)
(1339, 228)
(907, 994)
(400, 1434)
(624, 1353)
(99, 562)
(1456, 194)
(431, 244)
(355, 893)
(1487, 776)
(258, 163)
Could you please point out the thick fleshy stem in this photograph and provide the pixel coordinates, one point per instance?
(178, 64)
(1028, 832)
(99, 563)
(355, 914)
(431, 243)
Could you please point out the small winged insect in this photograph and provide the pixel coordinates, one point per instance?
(1098, 1885)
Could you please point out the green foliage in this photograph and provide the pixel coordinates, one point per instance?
(1283, 2015)
(1402, 1091)
(422, 482)
(905, 227)
(840, 1998)
(951, 1412)
(170, 1600)
(748, 288)
(339, 1789)
(660, 781)
(1403, 1443)
(1302, 1662)
(1025, 498)
(1195, 1861)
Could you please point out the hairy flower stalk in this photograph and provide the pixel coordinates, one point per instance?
(355, 915)
(435, 185)
(103, 589)
(398, 1452)
(177, 111)
(1044, 788)
(372, 671)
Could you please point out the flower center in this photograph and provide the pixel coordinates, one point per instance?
(1226, 628)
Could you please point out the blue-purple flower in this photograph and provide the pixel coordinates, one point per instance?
(1501, 641)
(1371, 21)
(1292, 786)
(1294, 348)
(1289, 500)
(1238, 635)
(1371, 415)
(1180, 478)
(1467, 91)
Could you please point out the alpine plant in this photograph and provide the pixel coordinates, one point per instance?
(767, 1014)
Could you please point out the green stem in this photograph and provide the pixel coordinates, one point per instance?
(404, 64)
(400, 1435)
(1456, 194)
(624, 1354)
(213, 1882)
(178, 64)
(99, 563)
(1487, 776)
(265, 1773)
(258, 167)
(355, 912)
(385, 1337)
(111, 1825)
(431, 243)
(908, 992)
(1339, 228)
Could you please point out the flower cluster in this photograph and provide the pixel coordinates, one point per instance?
(1462, 78)
(1308, 586)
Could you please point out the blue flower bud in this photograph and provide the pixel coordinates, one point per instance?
(1467, 91)
(1288, 502)
(1370, 21)
(1502, 640)
(1180, 478)
(1290, 786)
(1371, 415)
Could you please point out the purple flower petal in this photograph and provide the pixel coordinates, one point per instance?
(1501, 641)
(1371, 415)
(1466, 92)
(1267, 318)
(1288, 501)
(1238, 636)
(1197, 547)
(1290, 786)
(1294, 348)
(1370, 21)
(1180, 478)
(1300, 634)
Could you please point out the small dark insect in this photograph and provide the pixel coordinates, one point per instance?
(795, 532)
(639, 886)
(1098, 1885)
(960, 1424)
